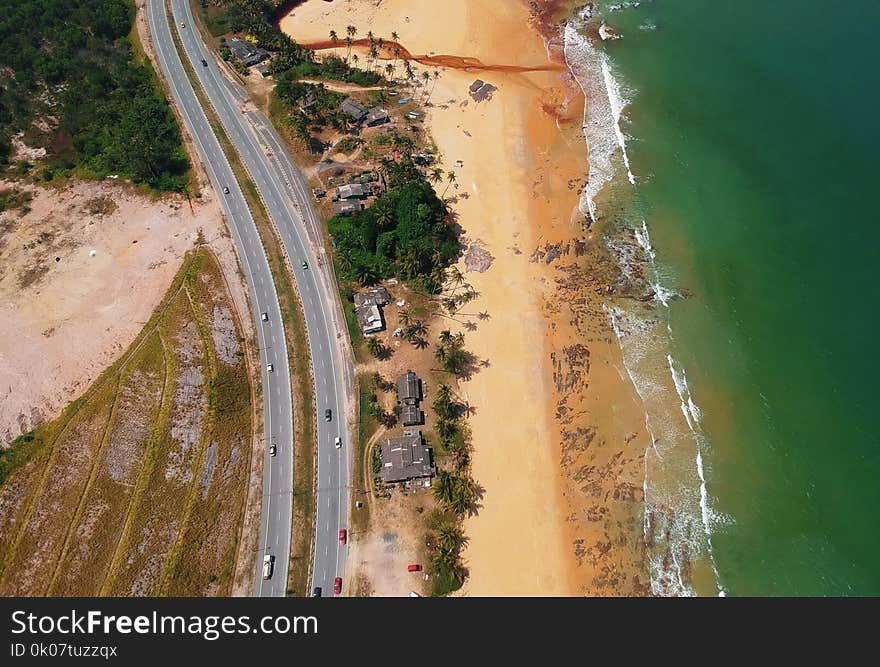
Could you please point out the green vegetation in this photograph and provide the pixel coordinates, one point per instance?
(74, 62)
(405, 234)
(13, 198)
(452, 356)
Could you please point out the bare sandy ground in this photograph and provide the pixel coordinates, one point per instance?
(553, 519)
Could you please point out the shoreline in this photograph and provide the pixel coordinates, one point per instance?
(561, 514)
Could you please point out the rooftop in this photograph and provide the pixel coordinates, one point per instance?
(348, 206)
(376, 116)
(249, 54)
(370, 318)
(374, 295)
(353, 109)
(410, 415)
(406, 458)
(351, 190)
(409, 388)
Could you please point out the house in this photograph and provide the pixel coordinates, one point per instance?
(264, 70)
(348, 206)
(411, 415)
(354, 110)
(367, 305)
(249, 54)
(406, 458)
(376, 116)
(370, 318)
(374, 295)
(351, 191)
(421, 159)
(409, 388)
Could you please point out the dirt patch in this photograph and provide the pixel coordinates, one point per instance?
(62, 322)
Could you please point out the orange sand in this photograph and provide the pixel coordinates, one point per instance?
(522, 172)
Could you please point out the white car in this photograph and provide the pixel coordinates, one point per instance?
(264, 317)
(338, 442)
(272, 450)
(268, 561)
(270, 368)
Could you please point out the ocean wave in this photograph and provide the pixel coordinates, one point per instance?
(679, 518)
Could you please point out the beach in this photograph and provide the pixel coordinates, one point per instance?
(558, 429)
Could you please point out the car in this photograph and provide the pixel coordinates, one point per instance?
(328, 414)
(337, 585)
(304, 264)
(272, 450)
(264, 317)
(414, 567)
(316, 592)
(268, 561)
(343, 536)
(413, 594)
(225, 191)
(270, 368)
(182, 24)
(338, 442)
(204, 63)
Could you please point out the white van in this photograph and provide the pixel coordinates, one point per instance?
(268, 560)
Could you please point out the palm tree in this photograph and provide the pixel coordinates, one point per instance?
(420, 343)
(464, 492)
(384, 214)
(450, 179)
(403, 316)
(444, 487)
(450, 537)
(446, 337)
(389, 70)
(425, 77)
(376, 380)
(348, 41)
(418, 328)
(374, 346)
(334, 37)
(435, 76)
(354, 59)
(435, 175)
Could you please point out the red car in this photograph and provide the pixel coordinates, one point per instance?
(343, 536)
(337, 585)
(415, 567)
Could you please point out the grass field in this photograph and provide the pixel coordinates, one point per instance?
(138, 488)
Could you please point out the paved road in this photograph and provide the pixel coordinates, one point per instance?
(286, 198)
(278, 414)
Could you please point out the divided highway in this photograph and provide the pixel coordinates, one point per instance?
(278, 413)
(283, 191)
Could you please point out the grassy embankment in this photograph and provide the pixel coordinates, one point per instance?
(138, 487)
(305, 438)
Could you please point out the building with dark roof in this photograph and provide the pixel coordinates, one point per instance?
(411, 415)
(351, 191)
(367, 304)
(354, 110)
(249, 54)
(376, 116)
(348, 206)
(409, 388)
(406, 458)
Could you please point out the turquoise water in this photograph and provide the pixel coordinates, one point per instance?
(752, 130)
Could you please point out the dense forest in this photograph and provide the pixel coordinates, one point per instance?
(68, 80)
(405, 233)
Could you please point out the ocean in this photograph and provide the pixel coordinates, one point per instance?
(731, 148)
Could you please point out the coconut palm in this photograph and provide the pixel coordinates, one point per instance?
(450, 179)
(444, 487)
(425, 78)
(446, 337)
(389, 70)
(334, 37)
(419, 343)
(354, 59)
(450, 537)
(374, 346)
(403, 316)
(435, 175)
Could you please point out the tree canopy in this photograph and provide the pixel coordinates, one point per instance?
(70, 67)
(404, 234)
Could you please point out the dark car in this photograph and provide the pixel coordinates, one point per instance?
(316, 592)
(328, 414)
(337, 585)
(204, 63)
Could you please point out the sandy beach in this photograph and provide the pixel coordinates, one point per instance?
(558, 431)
